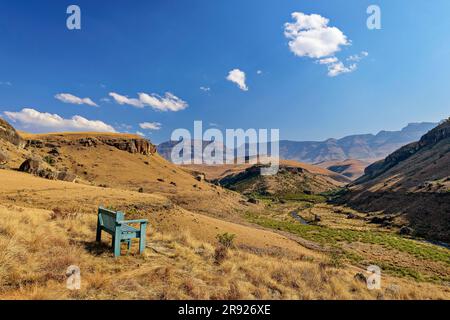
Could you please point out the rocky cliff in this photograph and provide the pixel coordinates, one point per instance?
(8, 133)
(128, 143)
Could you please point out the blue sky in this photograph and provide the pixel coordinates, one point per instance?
(154, 47)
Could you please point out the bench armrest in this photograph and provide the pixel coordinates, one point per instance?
(133, 221)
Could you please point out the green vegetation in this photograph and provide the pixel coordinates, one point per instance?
(226, 239)
(331, 237)
(50, 160)
(302, 197)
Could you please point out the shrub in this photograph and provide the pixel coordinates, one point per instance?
(50, 160)
(226, 239)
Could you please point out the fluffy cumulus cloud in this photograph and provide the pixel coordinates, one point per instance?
(43, 121)
(311, 36)
(168, 102)
(238, 77)
(150, 125)
(70, 98)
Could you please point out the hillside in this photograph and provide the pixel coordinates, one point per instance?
(411, 185)
(293, 179)
(350, 168)
(128, 162)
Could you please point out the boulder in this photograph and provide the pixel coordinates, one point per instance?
(8, 133)
(66, 176)
(38, 168)
(407, 231)
(200, 177)
(54, 152)
(32, 165)
(360, 277)
(3, 157)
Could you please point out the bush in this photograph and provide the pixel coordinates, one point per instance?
(225, 242)
(226, 239)
(50, 160)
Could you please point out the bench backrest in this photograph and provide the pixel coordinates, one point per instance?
(108, 218)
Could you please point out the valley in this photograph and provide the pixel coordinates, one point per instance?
(294, 237)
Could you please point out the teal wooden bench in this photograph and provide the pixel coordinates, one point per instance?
(113, 223)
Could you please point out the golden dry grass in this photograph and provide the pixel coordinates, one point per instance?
(34, 259)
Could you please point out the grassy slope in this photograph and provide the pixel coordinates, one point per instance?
(179, 262)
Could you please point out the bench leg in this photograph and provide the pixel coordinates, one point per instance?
(98, 238)
(143, 235)
(116, 243)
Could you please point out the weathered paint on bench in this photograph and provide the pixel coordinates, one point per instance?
(113, 223)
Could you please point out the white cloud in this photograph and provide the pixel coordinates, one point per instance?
(237, 76)
(328, 60)
(338, 68)
(43, 121)
(169, 102)
(150, 125)
(125, 100)
(206, 89)
(259, 72)
(70, 98)
(310, 36)
(358, 57)
(140, 133)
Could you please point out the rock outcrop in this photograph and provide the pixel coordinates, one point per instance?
(141, 146)
(37, 167)
(131, 145)
(3, 157)
(8, 133)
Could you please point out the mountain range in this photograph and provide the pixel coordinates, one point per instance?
(367, 147)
